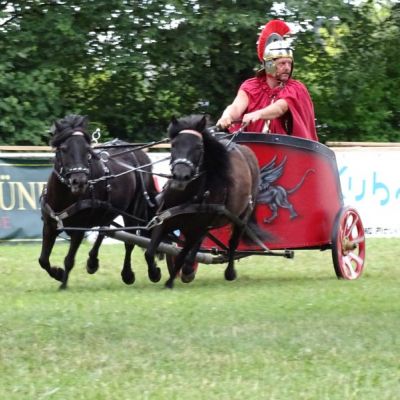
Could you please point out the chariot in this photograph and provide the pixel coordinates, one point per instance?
(228, 196)
(300, 205)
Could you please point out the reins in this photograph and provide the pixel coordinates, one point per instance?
(137, 146)
(130, 170)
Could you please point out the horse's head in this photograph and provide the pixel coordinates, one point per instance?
(73, 152)
(187, 149)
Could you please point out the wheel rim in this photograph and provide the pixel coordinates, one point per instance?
(349, 251)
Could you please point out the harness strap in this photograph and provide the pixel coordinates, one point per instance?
(206, 208)
(79, 206)
(187, 209)
(144, 188)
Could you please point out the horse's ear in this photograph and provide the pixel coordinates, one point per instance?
(57, 127)
(202, 123)
(84, 121)
(174, 120)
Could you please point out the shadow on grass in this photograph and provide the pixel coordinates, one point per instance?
(200, 283)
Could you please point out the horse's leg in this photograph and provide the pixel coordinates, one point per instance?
(69, 260)
(48, 239)
(153, 271)
(230, 273)
(92, 263)
(128, 276)
(179, 260)
(188, 272)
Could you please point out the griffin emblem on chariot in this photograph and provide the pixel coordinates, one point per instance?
(276, 196)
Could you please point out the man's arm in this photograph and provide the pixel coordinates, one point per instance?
(234, 111)
(274, 110)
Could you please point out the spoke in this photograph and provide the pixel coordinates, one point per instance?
(350, 228)
(358, 240)
(356, 258)
(347, 262)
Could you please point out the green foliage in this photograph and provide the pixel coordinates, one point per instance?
(349, 67)
(29, 101)
(132, 65)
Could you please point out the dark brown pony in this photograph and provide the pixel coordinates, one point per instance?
(89, 188)
(214, 183)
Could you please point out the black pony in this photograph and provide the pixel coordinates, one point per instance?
(214, 183)
(88, 188)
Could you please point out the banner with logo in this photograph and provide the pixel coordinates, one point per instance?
(370, 181)
(21, 184)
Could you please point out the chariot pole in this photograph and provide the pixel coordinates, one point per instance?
(166, 248)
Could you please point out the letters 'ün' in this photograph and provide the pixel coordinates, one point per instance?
(20, 196)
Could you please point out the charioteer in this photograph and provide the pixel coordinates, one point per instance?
(272, 101)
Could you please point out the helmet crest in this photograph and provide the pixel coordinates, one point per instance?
(272, 31)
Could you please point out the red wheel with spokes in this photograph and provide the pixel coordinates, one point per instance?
(348, 244)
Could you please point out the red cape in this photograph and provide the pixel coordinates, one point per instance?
(299, 122)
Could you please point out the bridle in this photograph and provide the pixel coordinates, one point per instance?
(194, 169)
(63, 172)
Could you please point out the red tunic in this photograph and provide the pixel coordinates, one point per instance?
(299, 121)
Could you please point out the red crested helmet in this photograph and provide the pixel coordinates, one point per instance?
(271, 45)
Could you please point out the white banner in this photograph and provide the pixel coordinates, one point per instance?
(370, 180)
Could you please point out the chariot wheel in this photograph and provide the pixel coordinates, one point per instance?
(348, 244)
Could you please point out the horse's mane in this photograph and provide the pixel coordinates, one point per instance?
(216, 157)
(63, 128)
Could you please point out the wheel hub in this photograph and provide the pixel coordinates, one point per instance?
(348, 245)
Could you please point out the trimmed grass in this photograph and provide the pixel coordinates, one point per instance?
(285, 329)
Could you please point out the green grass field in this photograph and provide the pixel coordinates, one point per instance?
(285, 329)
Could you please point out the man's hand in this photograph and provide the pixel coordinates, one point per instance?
(225, 121)
(252, 117)
(274, 110)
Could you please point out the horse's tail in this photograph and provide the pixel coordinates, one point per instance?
(253, 231)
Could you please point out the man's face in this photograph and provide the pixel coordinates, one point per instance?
(283, 67)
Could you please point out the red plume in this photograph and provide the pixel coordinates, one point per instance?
(275, 26)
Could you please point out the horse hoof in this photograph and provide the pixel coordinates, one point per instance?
(57, 273)
(230, 275)
(169, 284)
(92, 265)
(188, 278)
(155, 275)
(129, 278)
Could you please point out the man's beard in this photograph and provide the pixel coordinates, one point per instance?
(283, 77)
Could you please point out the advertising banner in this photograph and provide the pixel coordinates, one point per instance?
(370, 182)
(21, 184)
